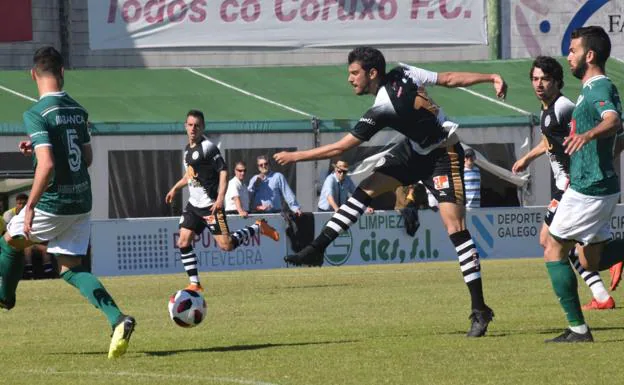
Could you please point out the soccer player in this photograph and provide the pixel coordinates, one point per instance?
(546, 76)
(430, 152)
(586, 207)
(206, 177)
(59, 204)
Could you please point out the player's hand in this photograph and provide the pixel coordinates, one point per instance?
(369, 210)
(285, 157)
(25, 147)
(574, 142)
(29, 215)
(217, 205)
(297, 212)
(500, 87)
(520, 165)
(170, 196)
(243, 213)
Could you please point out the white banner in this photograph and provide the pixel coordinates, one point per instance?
(543, 27)
(284, 23)
(148, 246)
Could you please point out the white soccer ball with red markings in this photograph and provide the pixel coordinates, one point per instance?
(187, 308)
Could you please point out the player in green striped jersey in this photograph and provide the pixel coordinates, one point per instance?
(59, 205)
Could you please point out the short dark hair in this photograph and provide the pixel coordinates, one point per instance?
(198, 115)
(550, 67)
(21, 197)
(369, 58)
(596, 39)
(48, 61)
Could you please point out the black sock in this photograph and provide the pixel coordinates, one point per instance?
(189, 260)
(612, 253)
(470, 266)
(346, 216)
(240, 236)
(48, 268)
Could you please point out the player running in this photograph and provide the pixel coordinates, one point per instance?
(58, 209)
(206, 177)
(546, 76)
(430, 153)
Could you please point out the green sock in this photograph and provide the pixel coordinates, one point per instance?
(92, 289)
(565, 286)
(612, 253)
(11, 270)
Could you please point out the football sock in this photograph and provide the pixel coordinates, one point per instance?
(92, 289)
(346, 216)
(612, 253)
(591, 278)
(470, 266)
(11, 271)
(565, 286)
(48, 268)
(189, 260)
(28, 270)
(243, 235)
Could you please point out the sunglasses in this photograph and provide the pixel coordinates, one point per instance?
(263, 164)
(340, 171)
(243, 170)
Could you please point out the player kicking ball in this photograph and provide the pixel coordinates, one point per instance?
(430, 152)
(206, 178)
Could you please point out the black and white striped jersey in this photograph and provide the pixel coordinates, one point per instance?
(555, 126)
(402, 103)
(203, 163)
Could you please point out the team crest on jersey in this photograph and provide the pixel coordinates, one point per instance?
(381, 162)
(547, 121)
(195, 155)
(441, 182)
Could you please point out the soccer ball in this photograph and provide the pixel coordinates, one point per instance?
(187, 308)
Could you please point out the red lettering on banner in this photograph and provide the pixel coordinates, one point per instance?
(416, 5)
(315, 10)
(341, 11)
(153, 11)
(247, 5)
(279, 12)
(249, 10)
(147, 11)
(326, 5)
(383, 14)
(368, 9)
(224, 8)
(446, 14)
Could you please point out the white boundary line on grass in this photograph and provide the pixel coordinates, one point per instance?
(200, 379)
(17, 94)
(520, 110)
(618, 59)
(224, 84)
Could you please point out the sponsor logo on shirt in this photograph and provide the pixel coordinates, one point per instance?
(368, 121)
(441, 182)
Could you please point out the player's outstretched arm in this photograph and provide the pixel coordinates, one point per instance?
(179, 184)
(466, 79)
(524, 162)
(324, 152)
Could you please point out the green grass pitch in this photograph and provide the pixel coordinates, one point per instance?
(395, 324)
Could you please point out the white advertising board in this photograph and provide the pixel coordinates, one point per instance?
(117, 24)
(543, 27)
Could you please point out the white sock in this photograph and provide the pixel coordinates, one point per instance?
(581, 329)
(599, 292)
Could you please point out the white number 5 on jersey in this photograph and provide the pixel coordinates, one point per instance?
(74, 152)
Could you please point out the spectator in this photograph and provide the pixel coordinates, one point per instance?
(237, 196)
(472, 180)
(48, 267)
(267, 189)
(337, 188)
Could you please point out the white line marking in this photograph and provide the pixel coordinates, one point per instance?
(520, 110)
(224, 84)
(200, 379)
(18, 94)
(618, 59)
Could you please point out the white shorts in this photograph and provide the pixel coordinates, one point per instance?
(65, 234)
(583, 218)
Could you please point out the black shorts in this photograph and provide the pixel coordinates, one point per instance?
(552, 206)
(441, 171)
(197, 219)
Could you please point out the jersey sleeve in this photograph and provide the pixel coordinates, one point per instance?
(36, 128)
(606, 99)
(563, 112)
(376, 118)
(212, 152)
(421, 77)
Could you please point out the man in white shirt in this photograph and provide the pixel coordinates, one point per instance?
(237, 196)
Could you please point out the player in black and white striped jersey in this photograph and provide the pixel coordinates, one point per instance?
(546, 76)
(430, 152)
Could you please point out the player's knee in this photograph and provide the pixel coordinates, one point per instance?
(226, 245)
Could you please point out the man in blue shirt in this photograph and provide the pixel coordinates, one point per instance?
(267, 189)
(472, 180)
(337, 187)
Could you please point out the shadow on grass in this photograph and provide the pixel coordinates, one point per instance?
(554, 331)
(315, 286)
(216, 349)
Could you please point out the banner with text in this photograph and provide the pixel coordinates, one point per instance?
(543, 27)
(149, 246)
(284, 23)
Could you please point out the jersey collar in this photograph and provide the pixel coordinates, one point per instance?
(592, 79)
(57, 93)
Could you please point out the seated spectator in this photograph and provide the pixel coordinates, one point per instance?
(337, 188)
(237, 195)
(267, 189)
